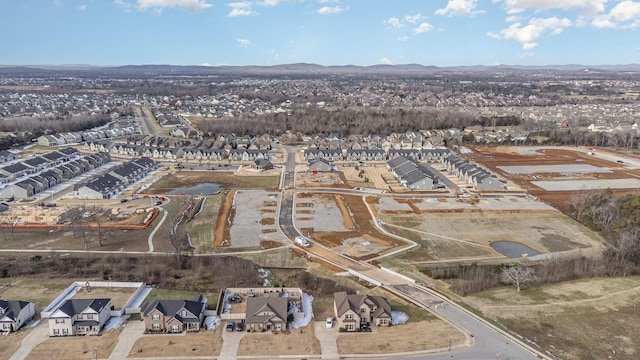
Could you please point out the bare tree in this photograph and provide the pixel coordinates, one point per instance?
(518, 275)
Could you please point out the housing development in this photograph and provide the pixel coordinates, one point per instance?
(319, 213)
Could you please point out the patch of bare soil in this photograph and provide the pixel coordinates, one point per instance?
(268, 244)
(80, 347)
(224, 221)
(290, 342)
(346, 214)
(268, 221)
(415, 336)
(203, 343)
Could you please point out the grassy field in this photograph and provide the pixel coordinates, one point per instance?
(38, 291)
(203, 343)
(9, 344)
(226, 180)
(585, 319)
(202, 226)
(80, 347)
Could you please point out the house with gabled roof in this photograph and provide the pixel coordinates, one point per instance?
(14, 314)
(174, 316)
(6, 155)
(80, 317)
(267, 313)
(353, 311)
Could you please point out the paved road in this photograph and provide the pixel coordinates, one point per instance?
(485, 343)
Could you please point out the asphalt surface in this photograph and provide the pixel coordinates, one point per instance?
(485, 342)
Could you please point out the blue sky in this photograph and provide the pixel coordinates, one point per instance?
(326, 32)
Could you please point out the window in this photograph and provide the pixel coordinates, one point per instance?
(363, 311)
(174, 328)
(82, 328)
(155, 326)
(383, 322)
(349, 327)
(155, 317)
(65, 331)
(348, 316)
(89, 316)
(80, 317)
(59, 321)
(5, 326)
(56, 331)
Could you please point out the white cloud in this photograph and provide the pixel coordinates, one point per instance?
(158, 5)
(513, 18)
(414, 18)
(385, 61)
(243, 43)
(625, 14)
(242, 8)
(82, 7)
(460, 8)
(402, 38)
(423, 28)
(394, 22)
(326, 10)
(587, 7)
(528, 35)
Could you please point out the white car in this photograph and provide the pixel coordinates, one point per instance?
(329, 323)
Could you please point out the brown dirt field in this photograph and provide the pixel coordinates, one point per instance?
(226, 180)
(118, 296)
(267, 211)
(491, 157)
(346, 216)
(293, 342)
(268, 221)
(363, 225)
(9, 344)
(268, 244)
(268, 231)
(79, 347)
(415, 336)
(224, 221)
(203, 343)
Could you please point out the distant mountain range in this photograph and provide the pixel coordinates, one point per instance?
(296, 69)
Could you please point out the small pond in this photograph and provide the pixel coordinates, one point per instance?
(512, 249)
(200, 189)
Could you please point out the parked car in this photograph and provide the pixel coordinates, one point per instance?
(235, 299)
(239, 326)
(230, 325)
(157, 203)
(329, 323)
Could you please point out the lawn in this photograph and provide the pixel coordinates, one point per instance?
(76, 347)
(202, 227)
(226, 180)
(203, 343)
(582, 319)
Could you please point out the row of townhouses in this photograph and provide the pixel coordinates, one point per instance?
(376, 154)
(78, 137)
(173, 154)
(411, 174)
(39, 173)
(110, 184)
(473, 175)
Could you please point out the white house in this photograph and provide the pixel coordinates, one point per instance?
(14, 314)
(80, 317)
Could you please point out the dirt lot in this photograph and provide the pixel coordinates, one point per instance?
(582, 320)
(118, 296)
(493, 158)
(321, 179)
(376, 173)
(423, 335)
(80, 347)
(293, 342)
(203, 343)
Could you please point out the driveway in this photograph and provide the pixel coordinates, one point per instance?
(132, 331)
(328, 339)
(230, 343)
(37, 335)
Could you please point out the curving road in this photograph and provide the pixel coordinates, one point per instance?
(484, 341)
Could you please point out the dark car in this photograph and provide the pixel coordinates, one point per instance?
(239, 326)
(230, 325)
(235, 299)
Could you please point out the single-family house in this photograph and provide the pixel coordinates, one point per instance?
(80, 317)
(14, 314)
(174, 316)
(267, 313)
(353, 311)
